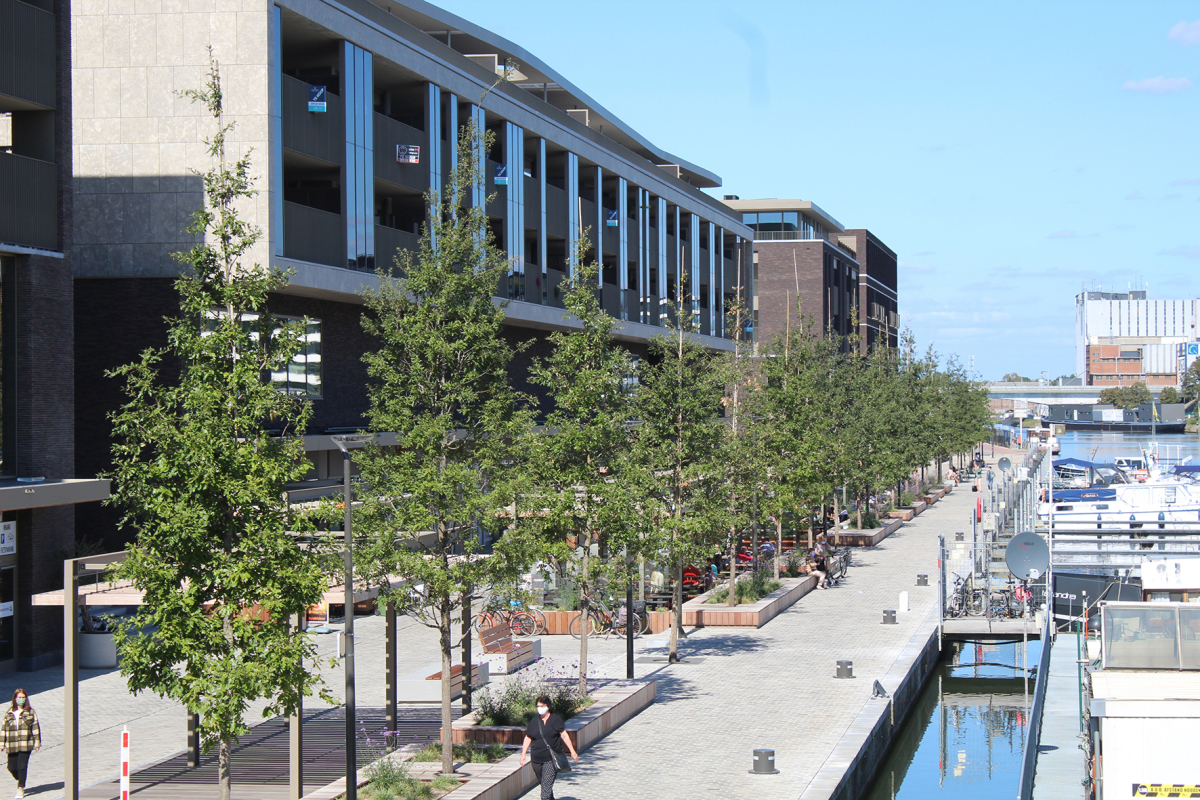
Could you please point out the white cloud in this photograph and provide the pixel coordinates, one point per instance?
(1062, 235)
(1186, 33)
(1159, 85)
(1186, 182)
(1186, 251)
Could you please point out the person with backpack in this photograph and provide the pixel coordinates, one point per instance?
(20, 735)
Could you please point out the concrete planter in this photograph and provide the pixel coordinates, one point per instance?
(97, 651)
(699, 613)
(614, 705)
(872, 537)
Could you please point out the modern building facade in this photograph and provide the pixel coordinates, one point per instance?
(37, 458)
(1124, 338)
(352, 110)
(808, 266)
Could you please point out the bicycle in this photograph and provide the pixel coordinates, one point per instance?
(519, 623)
(603, 621)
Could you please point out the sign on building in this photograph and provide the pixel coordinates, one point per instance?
(611, 218)
(316, 99)
(8, 538)
(408, 153)
(500, 178)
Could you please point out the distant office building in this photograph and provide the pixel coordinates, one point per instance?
(806, 263)
(354, 110)
(1123, 338)
(37, 453)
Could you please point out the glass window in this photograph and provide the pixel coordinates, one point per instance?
(750, 219)
(770, 221)
(8, 356)
(1140, 638)
(302, 377)
(791, 221)
(1189, 631)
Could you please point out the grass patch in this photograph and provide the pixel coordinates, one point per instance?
(748, 591)
(470, 752)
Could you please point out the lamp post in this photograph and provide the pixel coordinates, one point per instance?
(343, 443)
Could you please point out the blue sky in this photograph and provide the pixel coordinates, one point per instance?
(1008, 152)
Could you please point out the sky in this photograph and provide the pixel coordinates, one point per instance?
(1009, 153)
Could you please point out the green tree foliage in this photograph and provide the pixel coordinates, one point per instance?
(439, 380)
(1126, 396)
(1170, 395)
(584, 493)
(1191, 382)
(681, 440)
(201, 481)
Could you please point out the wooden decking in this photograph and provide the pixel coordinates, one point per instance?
(259, 764)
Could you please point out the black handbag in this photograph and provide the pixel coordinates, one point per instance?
(561, 762)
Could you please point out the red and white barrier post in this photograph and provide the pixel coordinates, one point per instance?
(124, 763)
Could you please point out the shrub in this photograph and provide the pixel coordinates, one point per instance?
(514, 702)
(470, 752)
(869, 520)
(748, 591)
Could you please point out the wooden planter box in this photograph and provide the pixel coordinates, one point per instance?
(614, 705)
(872, 537)
(558, 622)
(699, 613)
(659, 621)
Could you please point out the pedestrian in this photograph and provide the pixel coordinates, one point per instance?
(545, 739)
(20, 735)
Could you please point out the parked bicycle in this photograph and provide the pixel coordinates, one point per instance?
(604, 620)
(509, 614)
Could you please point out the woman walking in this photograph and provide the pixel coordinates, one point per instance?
(20, 735)
(547, 737)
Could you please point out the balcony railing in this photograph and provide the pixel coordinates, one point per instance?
(28, 202)
(310, 234)
(27, 53)
(787, 236)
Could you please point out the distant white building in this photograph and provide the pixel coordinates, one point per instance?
(1123, 338)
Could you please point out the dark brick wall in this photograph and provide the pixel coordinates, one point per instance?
(878, 261)
(782, 266)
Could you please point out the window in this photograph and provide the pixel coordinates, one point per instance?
(301, 376)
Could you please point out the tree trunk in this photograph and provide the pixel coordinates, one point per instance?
(585, 621)
(223, 777)
(444, 621)
(837, 524)
(858, 496)
(734, 539)
(778, 542)
(677, 612)
(467, 598)
(811, 524)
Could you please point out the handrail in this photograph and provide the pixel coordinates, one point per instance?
(1033, 739)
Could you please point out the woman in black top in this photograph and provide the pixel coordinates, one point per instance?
(546, 732)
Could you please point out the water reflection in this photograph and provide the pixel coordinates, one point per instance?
(1104, 447)
(966, 735)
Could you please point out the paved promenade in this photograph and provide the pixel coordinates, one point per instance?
(773, 687)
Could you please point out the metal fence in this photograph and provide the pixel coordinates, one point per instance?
(1029, 761)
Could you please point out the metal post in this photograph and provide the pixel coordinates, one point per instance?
(351, 744)
(193, 739)
(389, 678)
(70, 683)
(630, 621)
(295, 734)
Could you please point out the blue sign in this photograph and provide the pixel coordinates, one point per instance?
(611, 219)
(1194, 350)
(316, 99)
(501, 176)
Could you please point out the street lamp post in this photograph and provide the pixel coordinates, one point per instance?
(344, 442)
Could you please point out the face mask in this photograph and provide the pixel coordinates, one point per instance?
(20, 701)
(542, 710)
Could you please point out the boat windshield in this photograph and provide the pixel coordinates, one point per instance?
(1108, 475)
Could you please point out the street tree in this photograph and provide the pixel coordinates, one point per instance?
(200, 479)
(439, 380)
(1170, 395)
(584, 500)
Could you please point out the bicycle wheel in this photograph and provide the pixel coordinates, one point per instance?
(978, 604)
(522, 624)
(487, 619)
(574, 627)
(840, 568)
(539, 621)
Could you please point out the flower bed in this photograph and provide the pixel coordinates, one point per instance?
(748, 591)
(699, 613)
(512, 703)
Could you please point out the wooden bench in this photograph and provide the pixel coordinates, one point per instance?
(505, 654)
(425, 685)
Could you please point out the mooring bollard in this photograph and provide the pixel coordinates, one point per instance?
(764, 763)
(958, 536)
(889, 616)
(922, 579)
(845, 669)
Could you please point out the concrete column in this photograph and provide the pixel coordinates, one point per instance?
(623, 243)
(572, 213)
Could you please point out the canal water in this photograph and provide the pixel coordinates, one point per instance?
(1104, 447)
(965, 738)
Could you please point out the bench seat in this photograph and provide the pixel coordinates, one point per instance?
(505, 654)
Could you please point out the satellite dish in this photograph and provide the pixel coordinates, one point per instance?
(1004, 464)
(1027, 556)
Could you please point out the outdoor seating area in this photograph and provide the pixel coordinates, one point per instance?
(504, 653)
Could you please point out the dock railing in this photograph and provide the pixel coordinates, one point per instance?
(1033, 740)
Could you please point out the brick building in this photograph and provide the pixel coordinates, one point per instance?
(1124, 338)
(807, 266)
(37, 455)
